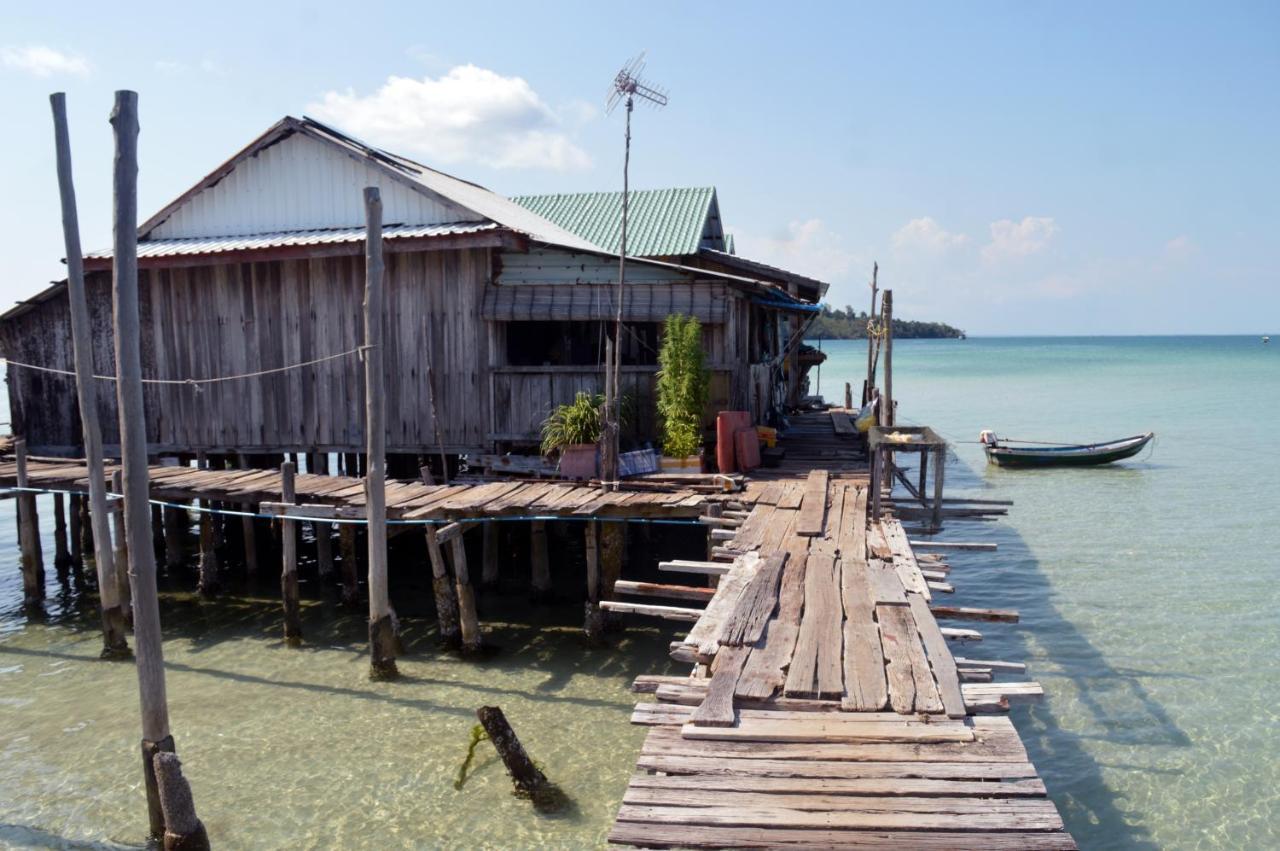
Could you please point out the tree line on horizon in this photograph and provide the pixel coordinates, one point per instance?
(849, 324)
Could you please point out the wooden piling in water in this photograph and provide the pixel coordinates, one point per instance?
(489, 571)
(183, 831)
(73, 532)
(594, 623)
(248, 528)
(540, 572)
(61, 555)
(613, 544)
(289, 561)
(347, 553)
(120, 553)
(208, 583)
(383, 639)
(468, 621)
(133, 451)
(318, 462)
(176, 521)
(29, 535)
(445, 595)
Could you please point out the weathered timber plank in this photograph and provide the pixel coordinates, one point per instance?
(888, 787)
(816, 669)
(886, 584)
(658, 835)
(654, 589)
(842, 425)
(940, 659)
(742, 767)
(704, 638)
(716, 709)
(1045, 817)
(746, 623)
(813, 510)
(820, 729)
(864, 678)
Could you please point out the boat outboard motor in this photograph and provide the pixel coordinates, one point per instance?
(988, 438)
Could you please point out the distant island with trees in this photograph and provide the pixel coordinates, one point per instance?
(849, 324)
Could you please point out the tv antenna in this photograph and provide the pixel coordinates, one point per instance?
(627, 86)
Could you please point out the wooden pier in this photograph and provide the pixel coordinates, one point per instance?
(826, 708)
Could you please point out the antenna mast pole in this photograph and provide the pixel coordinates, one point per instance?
(626, 85)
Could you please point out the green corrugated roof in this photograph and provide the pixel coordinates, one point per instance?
(660, 222)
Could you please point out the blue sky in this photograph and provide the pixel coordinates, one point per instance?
(1015, 168)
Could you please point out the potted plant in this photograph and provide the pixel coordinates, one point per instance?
(573, 432)
(683, 387)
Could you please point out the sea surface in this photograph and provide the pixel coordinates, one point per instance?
(1148, 594)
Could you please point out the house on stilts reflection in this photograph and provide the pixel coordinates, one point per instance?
(260, 266)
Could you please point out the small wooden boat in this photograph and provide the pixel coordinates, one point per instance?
(1005, 453)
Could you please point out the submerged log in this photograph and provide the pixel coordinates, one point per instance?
(183, 830)
(524, 774)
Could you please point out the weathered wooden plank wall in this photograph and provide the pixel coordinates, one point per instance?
(205, 321)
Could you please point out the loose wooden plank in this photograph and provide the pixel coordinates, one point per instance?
(657, 835)
(864, 679)
(1010, 691)
(746, 623)
(842, 425)
(792, 495)
(886, 584)
(816, 669)
(654, 589)
(908, 689)
(994, 664)
(1043, 817)
(716, 709)
(966, 613)
(707, 568)
(865, 786)
(813, 510)
(940, 659)
(951, 545)
(797, 767)
(658, 795)
(673, 613)
(705, 635)
(819, 729)
(764, 673)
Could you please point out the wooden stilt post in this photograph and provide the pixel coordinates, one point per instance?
(489, 572)
(848, 396)
(120, 554)
(446, 596)
(526, 776)
(73, 532)
(133, 450)
(86, 530)
(540, 580)
(924, 476)
(613, 537)
(871, 339)
(594, 625)
(318, 462)
(61, 555)
(176, 521)
(29, 536)
(350, 563)
(289, 571)
(939, 473)
(208, 583)
(469, 623)
(248, 528)
(382, 621)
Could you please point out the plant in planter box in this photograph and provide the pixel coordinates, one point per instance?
(683, 386)
(572, 431)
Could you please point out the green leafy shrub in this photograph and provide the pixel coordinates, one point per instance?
(577, 422)
(683, 385)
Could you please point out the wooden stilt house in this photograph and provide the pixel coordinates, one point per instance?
(495, 312)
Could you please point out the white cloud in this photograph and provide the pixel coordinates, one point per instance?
(470, 114)
(807, 248)
(40, 61)
(1180, 248)
(1010, 239)
(925, 235)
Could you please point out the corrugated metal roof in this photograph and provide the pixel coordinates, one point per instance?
(660, 222)
(328, 236)
(279, 184)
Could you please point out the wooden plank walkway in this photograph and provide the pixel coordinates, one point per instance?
(407, 500)
(828, 710)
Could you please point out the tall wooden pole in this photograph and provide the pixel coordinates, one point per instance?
(28, 535)
(289, 559)
(886, 412)
(114, 643)
(382, 631)
(133, 451)
(871, 338)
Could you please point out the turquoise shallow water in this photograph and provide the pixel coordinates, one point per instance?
(1148, 591)
(1149, 605)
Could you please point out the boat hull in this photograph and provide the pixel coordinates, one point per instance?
(1068, 456)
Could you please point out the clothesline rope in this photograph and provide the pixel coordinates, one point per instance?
(358, 350)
